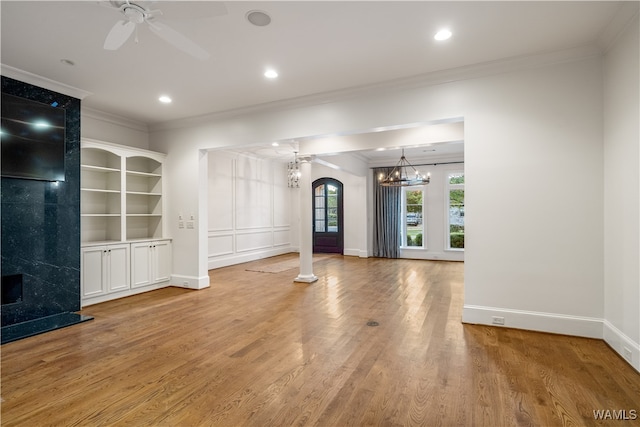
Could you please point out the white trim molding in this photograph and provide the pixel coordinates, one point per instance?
(628, 349)
(189, 282)
(43, 82)
(565, 324)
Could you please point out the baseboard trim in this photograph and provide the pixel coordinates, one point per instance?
(580, 326)
(355, 252)
(189, 282)
(628, 349)
(235, 258)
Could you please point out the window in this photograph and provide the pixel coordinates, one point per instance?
(455, 208)
(326, 208)
(413, 224)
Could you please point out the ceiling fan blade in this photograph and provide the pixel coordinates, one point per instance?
(119, 34)
(178, 40)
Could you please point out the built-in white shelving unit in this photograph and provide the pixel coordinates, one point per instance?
(122, 203)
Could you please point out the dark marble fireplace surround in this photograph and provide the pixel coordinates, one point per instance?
(41, 235)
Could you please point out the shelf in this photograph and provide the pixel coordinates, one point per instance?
(143, 166)
(99, 190)
(136, 173)
(144, 184)
(101, 243)
(99, 178)
(98, 168)
(121, 193)
(100, 160)
(100, 228)
(141, 193)
(144, 226)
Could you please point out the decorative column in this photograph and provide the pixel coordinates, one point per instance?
(306, 218)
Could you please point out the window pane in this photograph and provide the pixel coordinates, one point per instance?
(456, 219)
(413, 220)
(456, 178)
(319, 224)
(332, 219)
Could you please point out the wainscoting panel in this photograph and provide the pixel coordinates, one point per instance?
(220, 191)
(281, 237)
(220, 245)
(254, 241)
(254, 193)
(249, 209)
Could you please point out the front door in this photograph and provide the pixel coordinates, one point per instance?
(328, 233)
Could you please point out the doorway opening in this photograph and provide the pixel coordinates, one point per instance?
(328, 229)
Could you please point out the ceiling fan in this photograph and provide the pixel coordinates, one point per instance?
(133, 15)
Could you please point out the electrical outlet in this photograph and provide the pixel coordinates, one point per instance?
(497, 320)
(626, 352)
(185, 284)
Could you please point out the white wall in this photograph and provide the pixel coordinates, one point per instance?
(249, 214)
(533, 146)
(622, 196)
(533, 149)
(109, 128)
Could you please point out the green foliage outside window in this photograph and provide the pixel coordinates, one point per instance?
(415, 241)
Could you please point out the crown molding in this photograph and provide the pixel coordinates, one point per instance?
(43, 82)
(113, 119)
(624, 17)
(429, 79)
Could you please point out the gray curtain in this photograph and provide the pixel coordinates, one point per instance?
(386, 218)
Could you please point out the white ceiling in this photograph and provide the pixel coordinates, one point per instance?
(317, 47)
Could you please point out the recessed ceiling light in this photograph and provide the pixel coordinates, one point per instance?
(275, 144)
(258, 18)
(443, 34)
(271, 73)
(165, 99)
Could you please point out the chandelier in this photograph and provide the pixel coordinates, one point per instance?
(404, 175)
(293, 172)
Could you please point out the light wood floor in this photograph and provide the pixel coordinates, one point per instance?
(257, 349)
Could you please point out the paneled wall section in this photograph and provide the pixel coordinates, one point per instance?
(249, 209)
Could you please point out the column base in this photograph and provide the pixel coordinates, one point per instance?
(306, 278)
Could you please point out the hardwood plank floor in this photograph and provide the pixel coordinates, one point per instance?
(256, 349)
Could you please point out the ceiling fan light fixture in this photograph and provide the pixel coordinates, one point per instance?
(134, 13)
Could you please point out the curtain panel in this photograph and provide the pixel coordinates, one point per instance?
(386, 217)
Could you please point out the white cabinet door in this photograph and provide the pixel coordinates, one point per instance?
(118, 273)
(93, 272)
(150, 263)
(161, 257)
(105, 269)
(141, 264)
